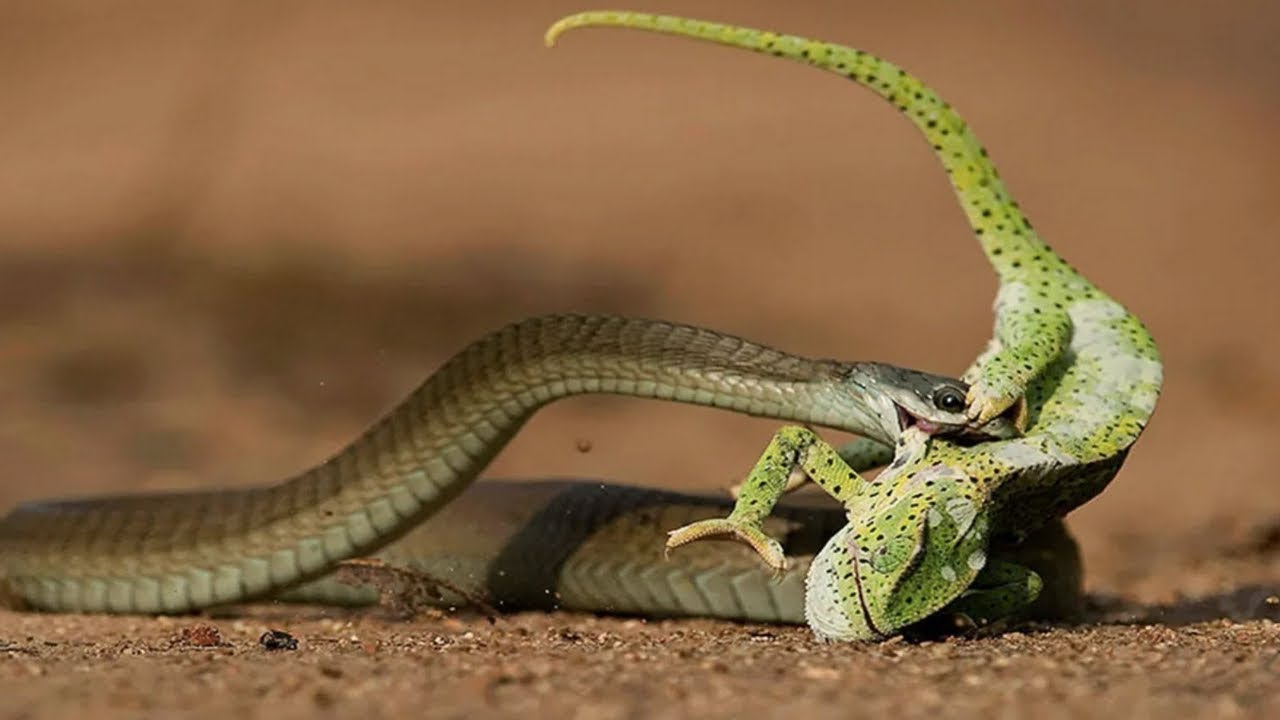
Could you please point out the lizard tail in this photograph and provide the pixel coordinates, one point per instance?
(1008, 240)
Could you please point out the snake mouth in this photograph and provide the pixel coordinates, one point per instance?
(906, 421)
(1001, 428)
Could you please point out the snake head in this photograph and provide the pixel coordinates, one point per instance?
(933, 404)
(900, 562)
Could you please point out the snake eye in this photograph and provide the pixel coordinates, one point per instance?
(948, 399)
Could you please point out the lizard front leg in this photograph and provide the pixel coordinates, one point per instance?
(793, 451)
(1032, 330)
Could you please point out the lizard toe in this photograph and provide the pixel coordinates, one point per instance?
(753, 534)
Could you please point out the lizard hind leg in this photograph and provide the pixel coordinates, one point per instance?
(1001, 591)
(793, 451)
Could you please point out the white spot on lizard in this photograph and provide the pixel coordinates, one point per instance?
(935, 517)
(977, 560)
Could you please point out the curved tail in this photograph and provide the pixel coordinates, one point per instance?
(1011, 245)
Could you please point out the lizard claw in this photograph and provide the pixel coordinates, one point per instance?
(986, 404)
(753, 534)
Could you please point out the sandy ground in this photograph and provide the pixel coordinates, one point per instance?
(231, 234)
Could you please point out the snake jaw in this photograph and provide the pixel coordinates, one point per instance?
(1003, 427)
(908, 420)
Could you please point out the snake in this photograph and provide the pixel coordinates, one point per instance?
(176, 552)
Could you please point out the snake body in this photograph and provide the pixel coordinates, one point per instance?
(591, 546)
(595, 547)
(174, 552)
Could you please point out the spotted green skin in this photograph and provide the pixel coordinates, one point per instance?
(918, 535)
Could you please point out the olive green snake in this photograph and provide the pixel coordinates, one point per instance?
(178, 552)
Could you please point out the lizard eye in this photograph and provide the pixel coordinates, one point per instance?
(948, 399)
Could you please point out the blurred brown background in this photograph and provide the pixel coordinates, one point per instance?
(231, 234)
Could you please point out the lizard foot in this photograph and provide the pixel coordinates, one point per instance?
(988, 400)
(752, 534)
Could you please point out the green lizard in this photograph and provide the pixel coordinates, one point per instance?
(1080, 372)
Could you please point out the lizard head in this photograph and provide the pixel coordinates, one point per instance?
(903, 398)
(900, 559)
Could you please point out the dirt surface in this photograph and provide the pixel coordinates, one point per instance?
(232, 233)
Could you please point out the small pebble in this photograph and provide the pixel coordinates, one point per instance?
(278, 640)
(201, 635)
